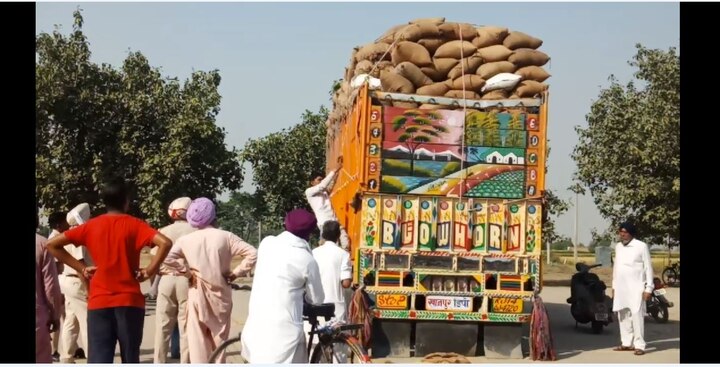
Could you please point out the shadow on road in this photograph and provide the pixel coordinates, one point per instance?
(570, 340)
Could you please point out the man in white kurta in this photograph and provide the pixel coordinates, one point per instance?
(75, 289)
(207, 253)
(285, 272)
(318, 196)
(632, 285)
(335, 274)
(173, 287)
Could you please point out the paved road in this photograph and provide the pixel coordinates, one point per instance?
(573, 345)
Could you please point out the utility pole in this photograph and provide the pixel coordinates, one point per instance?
(259, 232)
(577, 189)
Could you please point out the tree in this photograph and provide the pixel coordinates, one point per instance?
(552, 206)
(95, 122)
(603, 239)
(629, 154)
(283, 164)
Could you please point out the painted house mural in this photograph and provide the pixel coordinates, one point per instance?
(427, 152)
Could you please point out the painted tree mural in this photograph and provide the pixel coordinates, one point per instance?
(482, 129)
(417, 127)
(514, 138)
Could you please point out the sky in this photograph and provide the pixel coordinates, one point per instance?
(277, 60)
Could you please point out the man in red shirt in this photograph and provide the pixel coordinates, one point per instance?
(116, 307)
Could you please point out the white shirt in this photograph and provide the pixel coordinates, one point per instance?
(285, 269)
(334, 264)
(319, 200)
(632, 275)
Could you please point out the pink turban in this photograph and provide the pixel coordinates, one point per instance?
(301, 223)
(201, 213)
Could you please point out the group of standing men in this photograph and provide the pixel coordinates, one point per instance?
(101, 280)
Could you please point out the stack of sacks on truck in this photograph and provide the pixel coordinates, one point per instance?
(432, 57)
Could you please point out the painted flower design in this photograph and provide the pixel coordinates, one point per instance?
(370, 234)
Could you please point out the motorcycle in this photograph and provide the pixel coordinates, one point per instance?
(588, 301)
(657, 306)
(671, 274)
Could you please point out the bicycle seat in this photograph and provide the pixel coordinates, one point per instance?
(326, 310)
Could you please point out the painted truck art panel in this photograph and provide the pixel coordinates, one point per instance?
(429, 152)
(457, 225)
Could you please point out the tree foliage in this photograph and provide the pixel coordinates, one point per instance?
(553, 207)
(629, 154)
(96, 122)
(284, 162)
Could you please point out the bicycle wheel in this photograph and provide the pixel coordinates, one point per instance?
(341, 349)
(231, 348)
(669, 277)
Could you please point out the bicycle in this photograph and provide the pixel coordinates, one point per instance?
(671, 274)
(335, 344)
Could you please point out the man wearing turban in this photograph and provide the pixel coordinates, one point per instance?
(632, 285)
(75, 289)
(286, 270)
(207, 253)
(172, 288)
(318, 197)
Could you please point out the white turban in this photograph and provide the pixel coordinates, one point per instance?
(178, 208)
(78, 215)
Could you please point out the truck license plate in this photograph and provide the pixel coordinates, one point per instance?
(601, 316)
(659, 292)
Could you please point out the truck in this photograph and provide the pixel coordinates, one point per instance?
(443, 207)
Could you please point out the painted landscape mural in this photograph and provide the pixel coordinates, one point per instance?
(426, 152)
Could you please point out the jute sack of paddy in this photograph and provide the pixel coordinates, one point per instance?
(489, 36)
(468, 94)
(414, 32)
(413, 73)
(489, 70)
(468, 66)
(436, 20)
(495, 94)
(516, 40)
(389, 36)
(373, 52)
(529, 88)
(494, 53)
(363, 67)
(410, 51)
(433, 73)
(444, 65)
(435, 89)
(455, 49)
(380, 66)
(528, 57)
(432, 44)
(469, 82)
(394, 83)
(533, 72)
(454, 31)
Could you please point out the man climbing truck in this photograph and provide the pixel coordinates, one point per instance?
(441, 189)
